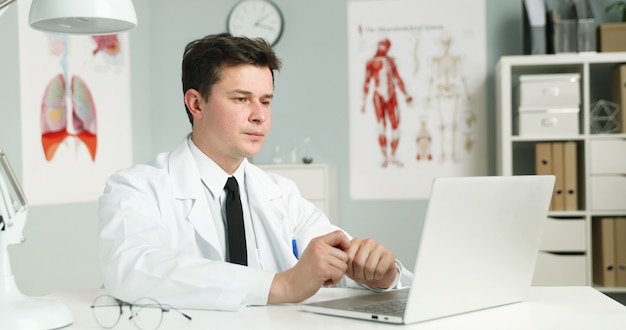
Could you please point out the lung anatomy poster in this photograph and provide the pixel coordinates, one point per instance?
(75, 109)
(417, 103)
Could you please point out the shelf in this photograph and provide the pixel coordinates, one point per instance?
(534, 138)
(608, 213)
(610, 289)
(607, 136)
(529, 61)
(517, 155)
(568, 214)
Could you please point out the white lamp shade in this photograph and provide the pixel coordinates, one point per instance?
(82, 16)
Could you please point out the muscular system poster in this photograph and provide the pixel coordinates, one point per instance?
(417, 95)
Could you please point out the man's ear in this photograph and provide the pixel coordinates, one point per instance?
(193, 99)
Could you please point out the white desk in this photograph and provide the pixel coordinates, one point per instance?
(546, 308)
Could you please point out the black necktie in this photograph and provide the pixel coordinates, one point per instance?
(234, 221)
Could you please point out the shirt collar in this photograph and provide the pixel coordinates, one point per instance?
(213, 176)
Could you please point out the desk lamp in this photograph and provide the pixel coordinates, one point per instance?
(89, 17)
(80, 16)
(18, 311)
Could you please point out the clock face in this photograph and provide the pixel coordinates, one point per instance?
(256, 19)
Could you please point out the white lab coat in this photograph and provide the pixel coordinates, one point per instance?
(158, 240)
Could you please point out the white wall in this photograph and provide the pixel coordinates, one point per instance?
(61, 247)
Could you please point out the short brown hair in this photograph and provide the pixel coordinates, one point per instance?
(204, 59)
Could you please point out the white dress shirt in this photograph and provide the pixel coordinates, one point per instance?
(214, 179)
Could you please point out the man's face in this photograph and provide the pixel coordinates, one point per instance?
(236, 117)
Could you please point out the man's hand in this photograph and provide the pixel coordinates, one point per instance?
(323, 262)
(371, 264)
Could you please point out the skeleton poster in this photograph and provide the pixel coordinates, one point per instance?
(75, 109)
(417, 103)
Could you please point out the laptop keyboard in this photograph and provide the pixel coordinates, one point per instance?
(389, 307)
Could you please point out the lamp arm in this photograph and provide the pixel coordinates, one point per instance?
(5, 3)
(13, 207)
(6, 209)
(12, 220)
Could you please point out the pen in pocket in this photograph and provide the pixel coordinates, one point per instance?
(294, 246)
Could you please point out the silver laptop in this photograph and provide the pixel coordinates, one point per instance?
(478, 249)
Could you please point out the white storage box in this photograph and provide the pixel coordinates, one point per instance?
(608, 192)
(549, 90)
(533, 121)
(560, 269)
(548, 104)
(563, 235)
(608, 156)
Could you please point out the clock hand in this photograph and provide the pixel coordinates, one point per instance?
(261, 20)
(265, 26)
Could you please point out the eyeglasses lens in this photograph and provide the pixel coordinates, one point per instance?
(147, 313)
(106, 311)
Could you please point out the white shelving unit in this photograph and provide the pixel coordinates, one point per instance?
(566, 252)
(317, 183)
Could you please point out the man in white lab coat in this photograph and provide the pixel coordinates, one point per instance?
(162, 225)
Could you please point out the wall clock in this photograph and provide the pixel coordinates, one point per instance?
(256, 19)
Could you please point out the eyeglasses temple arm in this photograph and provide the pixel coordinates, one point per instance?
(181, 313)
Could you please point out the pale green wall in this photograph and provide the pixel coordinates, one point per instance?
(311, 91)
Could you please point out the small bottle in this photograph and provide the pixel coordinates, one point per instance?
(277, 159)
(293, 154)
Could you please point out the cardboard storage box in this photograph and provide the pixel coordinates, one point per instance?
(612, 37)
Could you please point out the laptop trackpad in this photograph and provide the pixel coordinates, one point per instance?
(350, 303)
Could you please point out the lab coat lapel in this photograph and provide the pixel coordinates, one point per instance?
(270, 221)
(190, 194)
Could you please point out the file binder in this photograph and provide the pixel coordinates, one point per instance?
(618, 93)
(558, 198)
(620, 252)
(534, 25)
(570, 176)
(603, 251)
(543, 162)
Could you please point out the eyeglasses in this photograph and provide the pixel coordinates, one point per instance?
(145, 313)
